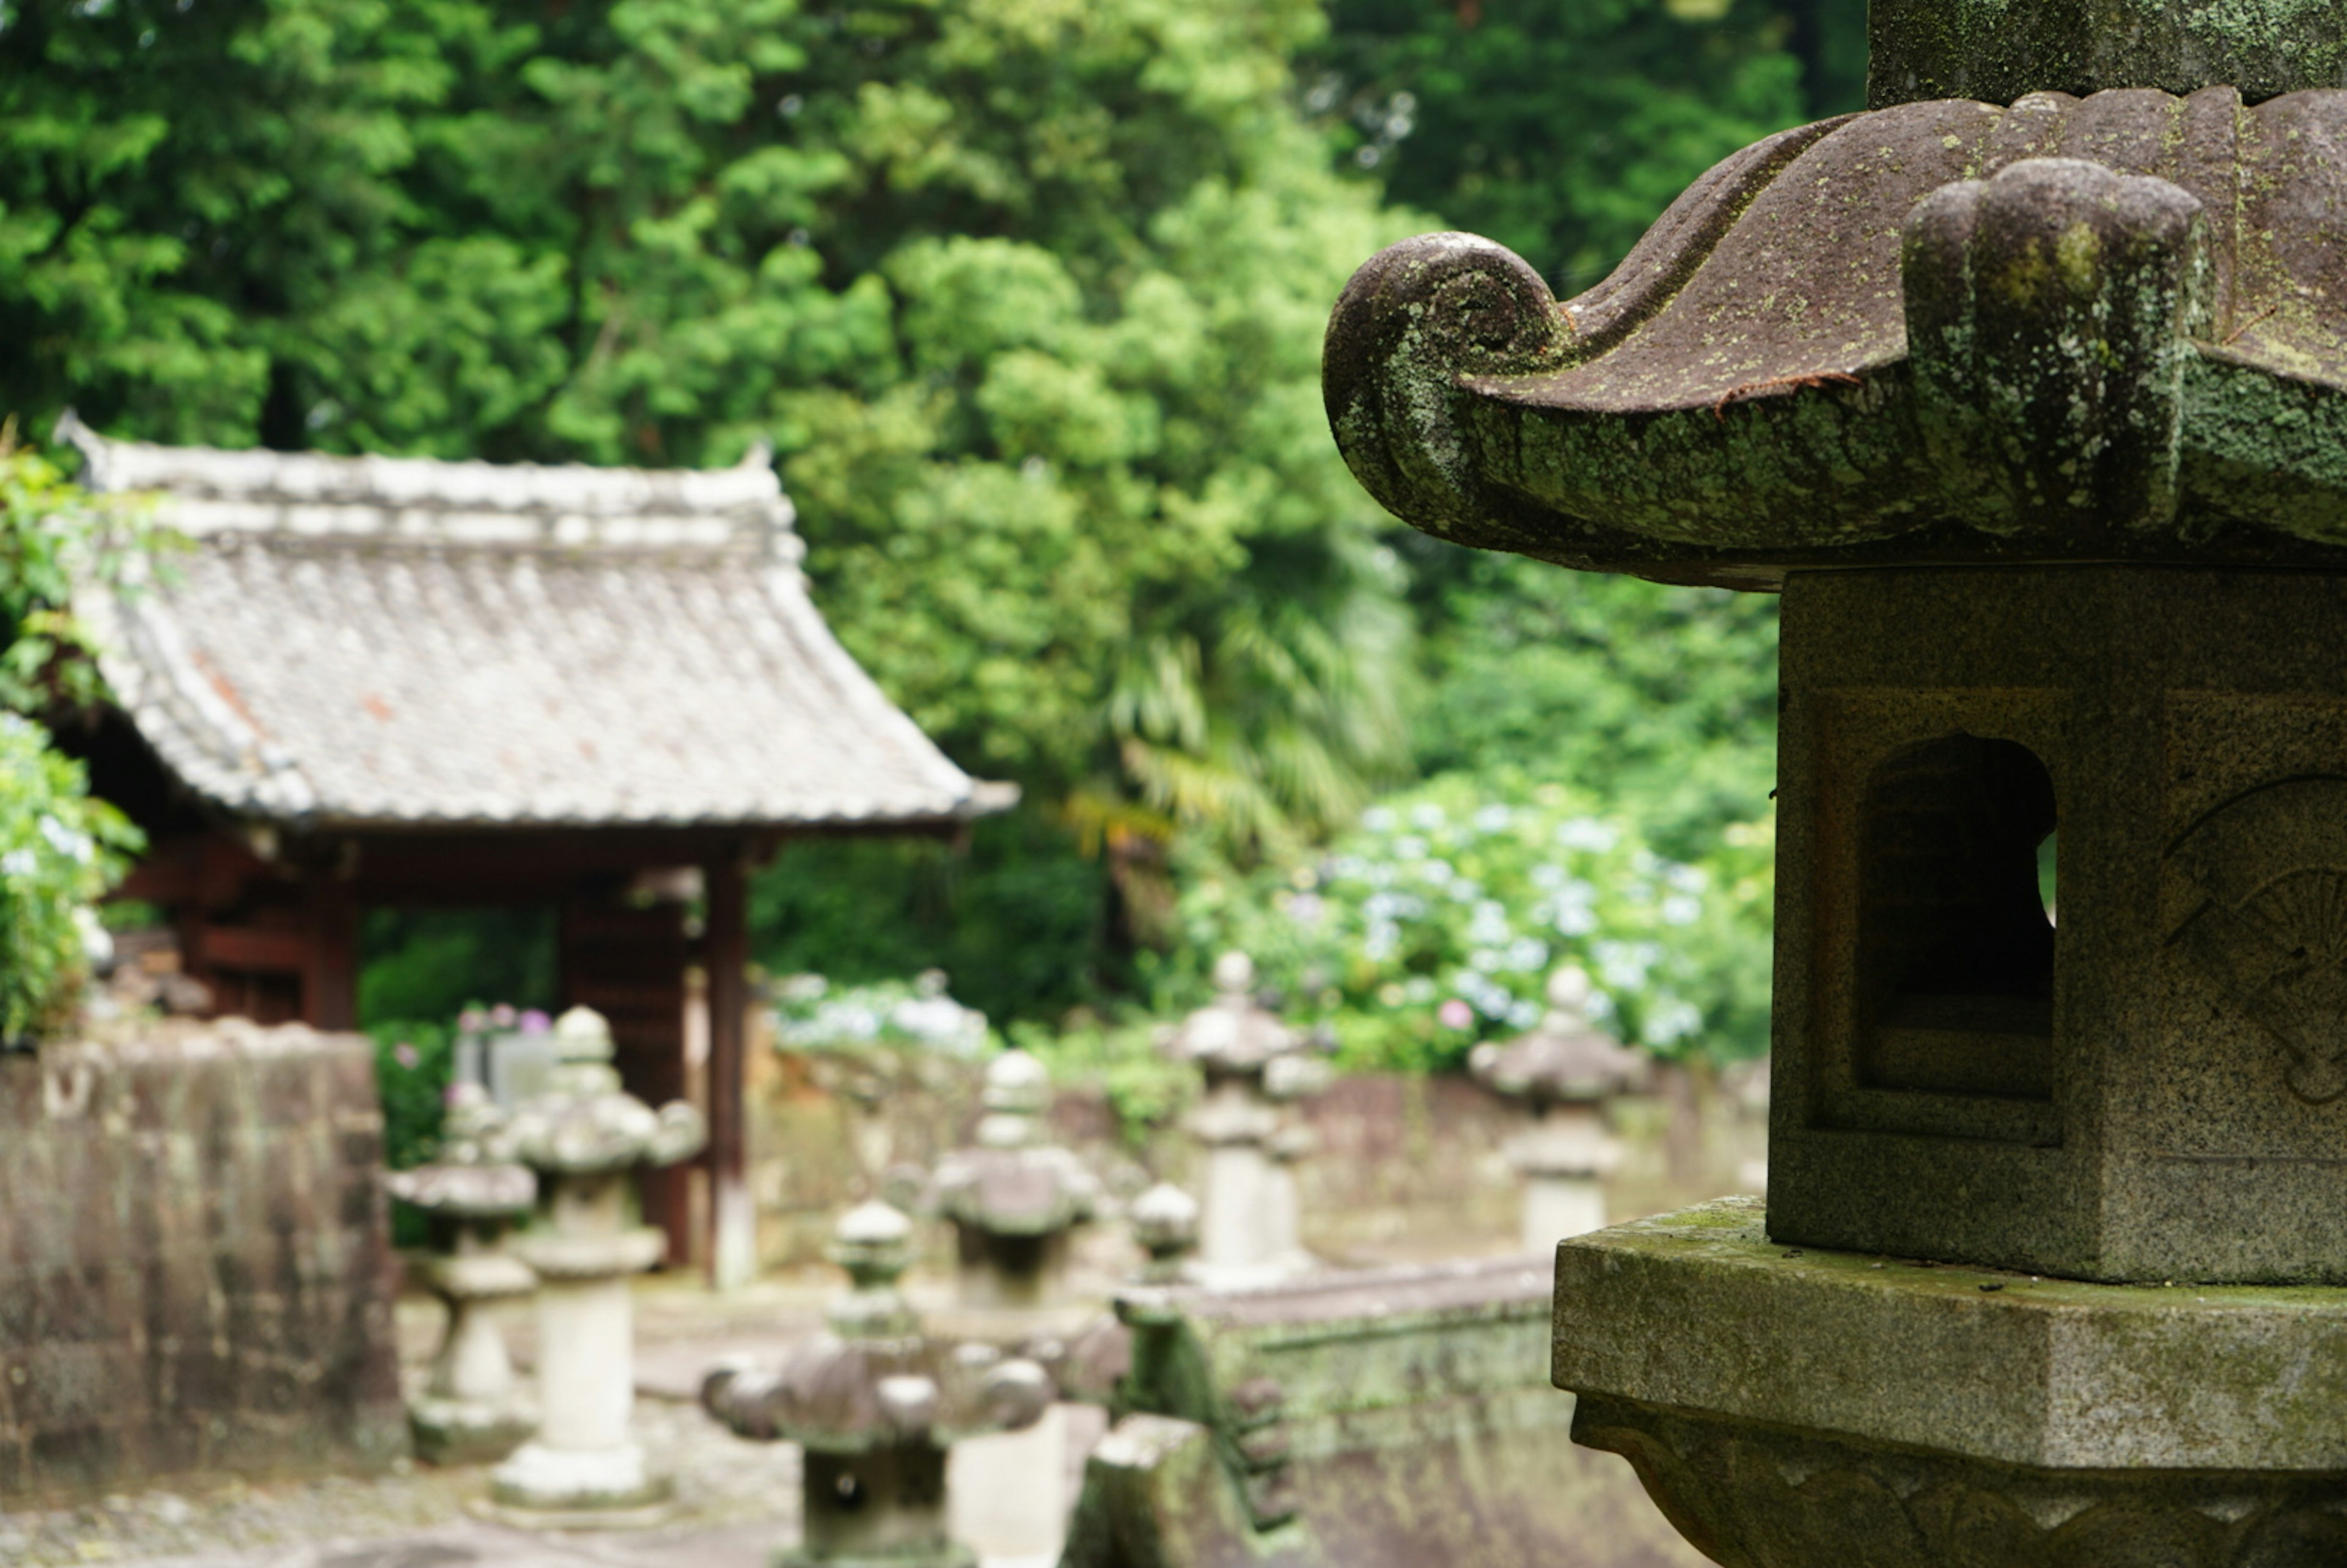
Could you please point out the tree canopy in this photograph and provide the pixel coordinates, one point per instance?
(1029, 296)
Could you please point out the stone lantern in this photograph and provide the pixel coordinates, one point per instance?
(1251, 1062)
(586, 1137)
(1014, 1200)
(1564, 1070)
(876, 1407)
(2033, 411)
(472, 1410)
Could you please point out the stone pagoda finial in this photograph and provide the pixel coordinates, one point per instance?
(876, 1407)
(1566, 1060)
(585, 1137)
(1234, 1035)
(1013, 1201)
(1995, 51)
(1564, 1070)
(472, 1410)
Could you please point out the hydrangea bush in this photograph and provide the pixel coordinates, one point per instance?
(60, 850)
(1435, 922)
(813, 1014)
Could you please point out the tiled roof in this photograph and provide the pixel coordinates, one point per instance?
(400, 641)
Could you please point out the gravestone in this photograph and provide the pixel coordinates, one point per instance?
(2032, 410)
(586, 1138)
(1252, 1064)
(1565, 1071)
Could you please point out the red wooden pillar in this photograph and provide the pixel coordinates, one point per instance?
(732, 1251)
(330, 980)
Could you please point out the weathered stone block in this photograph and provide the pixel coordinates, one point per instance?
(2152, 1087)
(1383, 1418)
(1948, 1416)
(202, 1292)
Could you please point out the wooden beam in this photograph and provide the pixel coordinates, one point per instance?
(732, 1251)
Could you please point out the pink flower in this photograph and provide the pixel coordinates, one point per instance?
(502, 1015)
(1456, 1014)
(407, 1056)
(533, 1021)
(472, 1021)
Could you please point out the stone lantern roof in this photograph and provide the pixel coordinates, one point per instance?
(475, 1178)
(1014, 1183)
(586, 1123)
(873, 1381)
(1566, 1058)
(1234, 1035)
(2102, 329)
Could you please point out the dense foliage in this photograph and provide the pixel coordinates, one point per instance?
(1028, 295)
(1561, 128)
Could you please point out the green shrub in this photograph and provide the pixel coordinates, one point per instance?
(414, 1063)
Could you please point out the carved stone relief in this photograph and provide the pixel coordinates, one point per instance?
(2264, 920)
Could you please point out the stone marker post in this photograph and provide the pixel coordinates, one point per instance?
(1250, 1061)
(1565, 1071)
(1014, 1200)
(876, 1407)
(2032, 410)
(584, 1137)
(472, 1411)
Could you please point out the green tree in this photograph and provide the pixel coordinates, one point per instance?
(1029, 293)
(1562, 127)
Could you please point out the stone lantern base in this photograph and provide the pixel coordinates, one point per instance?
(473, 1412)
(1788, 1406)
(542, 1488)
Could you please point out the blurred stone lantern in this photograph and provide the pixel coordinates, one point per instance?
(586, 1138)
(1014, 1200)
(1252, 1063)
(1565, 1071)
(472, 1410)
(2032, 410)
(876, 1407)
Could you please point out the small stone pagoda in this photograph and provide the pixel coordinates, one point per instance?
(1015, 1199)
(472, 1410)
(876, 1407)
(1164, 1221)
(2028, 390)
(1252, 1062)
(1564, 1071)
(586, 1138)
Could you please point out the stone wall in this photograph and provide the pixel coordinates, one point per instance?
(1407, 1168)
(195, 1269)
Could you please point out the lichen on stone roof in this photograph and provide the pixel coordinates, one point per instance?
(2072, 329)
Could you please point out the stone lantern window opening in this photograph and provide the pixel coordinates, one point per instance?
(1955, 947)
